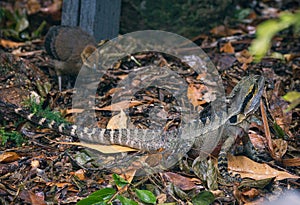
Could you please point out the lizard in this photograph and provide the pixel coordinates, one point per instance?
(68, 47)
(243, 100)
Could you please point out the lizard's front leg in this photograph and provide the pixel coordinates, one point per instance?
(223, 161)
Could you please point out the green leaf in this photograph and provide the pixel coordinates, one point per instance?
(291, 96)
(242, 13)
(22, 24)
(126, 201)
(120, 182)
(268, 29)
(98, 197)
(203, 198)
(104, 194)
(180, 193)
(279, 130)
(260, 184)
(90, 200)
(39, 30)
(146, 196)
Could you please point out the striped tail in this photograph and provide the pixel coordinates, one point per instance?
(142, 139)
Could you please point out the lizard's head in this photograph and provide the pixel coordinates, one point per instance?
(245, 97)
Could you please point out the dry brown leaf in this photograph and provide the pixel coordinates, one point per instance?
(248, 168)
(294, 162)
(130, 171)
(79, 174)
(32, 198)
(182, 182)
(267, 129)
(224, 31)
(71, 111)
(20, 53)
(129, 175)
(244, 56)
(118, 121)
(227, 48)
(252, 193)
(9, 157)
(17, 51)
(161, 198)
(280, 147)
(237, 195)
(259, 201)
(35, 164)
(59, 184)
(120, 105)
(257, 140)
(277, 106)
(154, 159)
(10, 44)
(291, 56)
(106, 149)
(37, 198)
(194, 94)
(33, 6)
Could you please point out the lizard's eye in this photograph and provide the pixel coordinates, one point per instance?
(233, 119)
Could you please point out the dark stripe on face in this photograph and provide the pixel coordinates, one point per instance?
(248, 98)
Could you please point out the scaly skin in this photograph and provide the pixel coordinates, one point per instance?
(243, 101)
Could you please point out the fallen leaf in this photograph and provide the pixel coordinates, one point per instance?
(258, 141)
(280, 147)
(120, 105)
(9, 157)
(277, 106)
(19, 53)
(237, 195)
(224, 31)
(291, 56)
(106, 149)
(79, 174)
(33, 6)
(72, 111)
(184, 183)
(259, 201)
(10, 44)
(59, 184)
(37, 198)
(32, 198)
(294, 162)
(244, 56)
(248, 168)
(194, 94)
(161, 198)
(154, 159)
(252, 193)
(130, 171)
(118, 121)
(35, 164)
(267, 129)
(227, 48)
(258, 184)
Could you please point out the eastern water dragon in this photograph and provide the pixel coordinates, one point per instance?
(242, 103)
